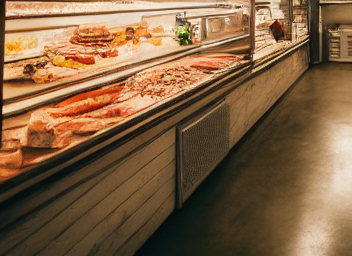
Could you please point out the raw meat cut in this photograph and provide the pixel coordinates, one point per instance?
(125, 108)
(91, 94)
(51, 73)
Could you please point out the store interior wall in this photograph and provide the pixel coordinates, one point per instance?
(313, 6)
(332, 16)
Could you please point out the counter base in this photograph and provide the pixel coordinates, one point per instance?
(114, 203)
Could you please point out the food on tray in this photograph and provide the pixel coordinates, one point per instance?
(158, 29)
(41, 132)
(81, 58)
(61, 61)
(129, 33)
(92, 31)
(70, 56)
(120, 38)
(107, 52)
(76, 52)
(165, 81)
(84, 106)
(141, 32)
(92, 34)
(83, 96)
(89, 112)
(19, 45)
(32, 67)
(14, 138)
(62, 125)
(130, 106)
(10, 145)
(23, 68)
(155, 41)
(51, 73)
(82, 126)
(214, 62)
(118, 31)
(10, 153)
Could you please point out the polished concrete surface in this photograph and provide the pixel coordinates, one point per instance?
(285, 189)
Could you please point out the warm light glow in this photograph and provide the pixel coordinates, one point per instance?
(326, 202)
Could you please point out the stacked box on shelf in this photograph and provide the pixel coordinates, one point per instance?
(334, 45)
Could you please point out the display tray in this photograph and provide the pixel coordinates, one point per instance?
(18, 89)
(40, 96)
(141, 107)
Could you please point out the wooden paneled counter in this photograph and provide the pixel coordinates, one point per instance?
(110, 198)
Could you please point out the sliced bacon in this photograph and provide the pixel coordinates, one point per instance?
(95, 93)
(84, 106)
(125, 108)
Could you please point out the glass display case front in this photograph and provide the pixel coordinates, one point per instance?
(300, 20)
(75, 70)
(278, 24)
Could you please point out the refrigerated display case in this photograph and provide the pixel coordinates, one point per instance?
(272, 25)
(78, 71)
(279, 25)
(300, 19)
(94, 94)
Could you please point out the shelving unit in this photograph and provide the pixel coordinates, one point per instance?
(334, 38)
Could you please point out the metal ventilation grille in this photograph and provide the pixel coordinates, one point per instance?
(202, 144)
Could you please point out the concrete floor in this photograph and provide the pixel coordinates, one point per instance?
(285, 189)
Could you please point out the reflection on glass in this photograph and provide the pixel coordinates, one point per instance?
(54, 60)
(274, 28)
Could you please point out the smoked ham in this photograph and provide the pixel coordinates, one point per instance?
(51, 73)
(14, 138)
(42, 133)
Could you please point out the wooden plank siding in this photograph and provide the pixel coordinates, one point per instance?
(23, 239)
(249, 102)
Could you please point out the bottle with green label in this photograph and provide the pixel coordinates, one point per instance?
(183, 31)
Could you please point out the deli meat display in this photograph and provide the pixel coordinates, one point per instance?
(39, 62)
(113, 112)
